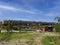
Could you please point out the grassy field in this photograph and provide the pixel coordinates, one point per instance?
(51, 40)
(28, 38)
(17, 35)
(16, 38)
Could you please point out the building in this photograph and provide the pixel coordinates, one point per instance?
(31, 25)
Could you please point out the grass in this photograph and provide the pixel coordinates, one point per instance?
(2, 35)
(51, 40)
(16, 35)
(28, 37)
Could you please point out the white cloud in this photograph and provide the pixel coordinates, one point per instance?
(55, 11)
(7, 7)
(52, 13)
(1, 14)
(49, 14)
(11, 8)
(28, 11)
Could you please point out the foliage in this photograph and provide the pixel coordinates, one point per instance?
(16, 35)
(9, 27)
(0, 24)
(15, 27)
(57, 25)
(51, 40)
(58, 19)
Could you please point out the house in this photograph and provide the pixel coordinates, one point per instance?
(31, 25)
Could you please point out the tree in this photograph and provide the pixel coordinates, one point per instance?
(57, 25)
(9, 27)
(19, 28)
(0, 26)
(58, 19)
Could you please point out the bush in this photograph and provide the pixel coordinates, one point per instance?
(57, 27)
(51, 40)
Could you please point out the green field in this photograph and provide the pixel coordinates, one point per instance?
(28, 38)
(16, 35)
(51, 40)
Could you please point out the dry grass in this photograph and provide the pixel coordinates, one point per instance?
(27, 38)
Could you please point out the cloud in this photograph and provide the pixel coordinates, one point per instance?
(27, 11)
(7, 7)
(54, 11)
(1, 14)
(11, 8)
(50, 14)
(33, 9)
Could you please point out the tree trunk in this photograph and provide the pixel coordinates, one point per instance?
(19, 31)
(7, 30)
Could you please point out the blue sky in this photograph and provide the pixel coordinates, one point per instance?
(30, 10)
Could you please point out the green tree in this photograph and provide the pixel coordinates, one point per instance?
(0, 26)
(58, 19)
(19, 28)
(9, 27)
(57, 25)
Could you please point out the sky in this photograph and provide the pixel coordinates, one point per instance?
(30, 10)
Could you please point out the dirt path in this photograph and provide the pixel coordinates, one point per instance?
(38, 40)
(42, 35)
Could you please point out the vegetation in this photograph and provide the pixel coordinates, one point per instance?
(29, 38)
(0, 26)
(9, 27)
(57, 25)
(20, 38)
(51, 40)
(13, 35)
